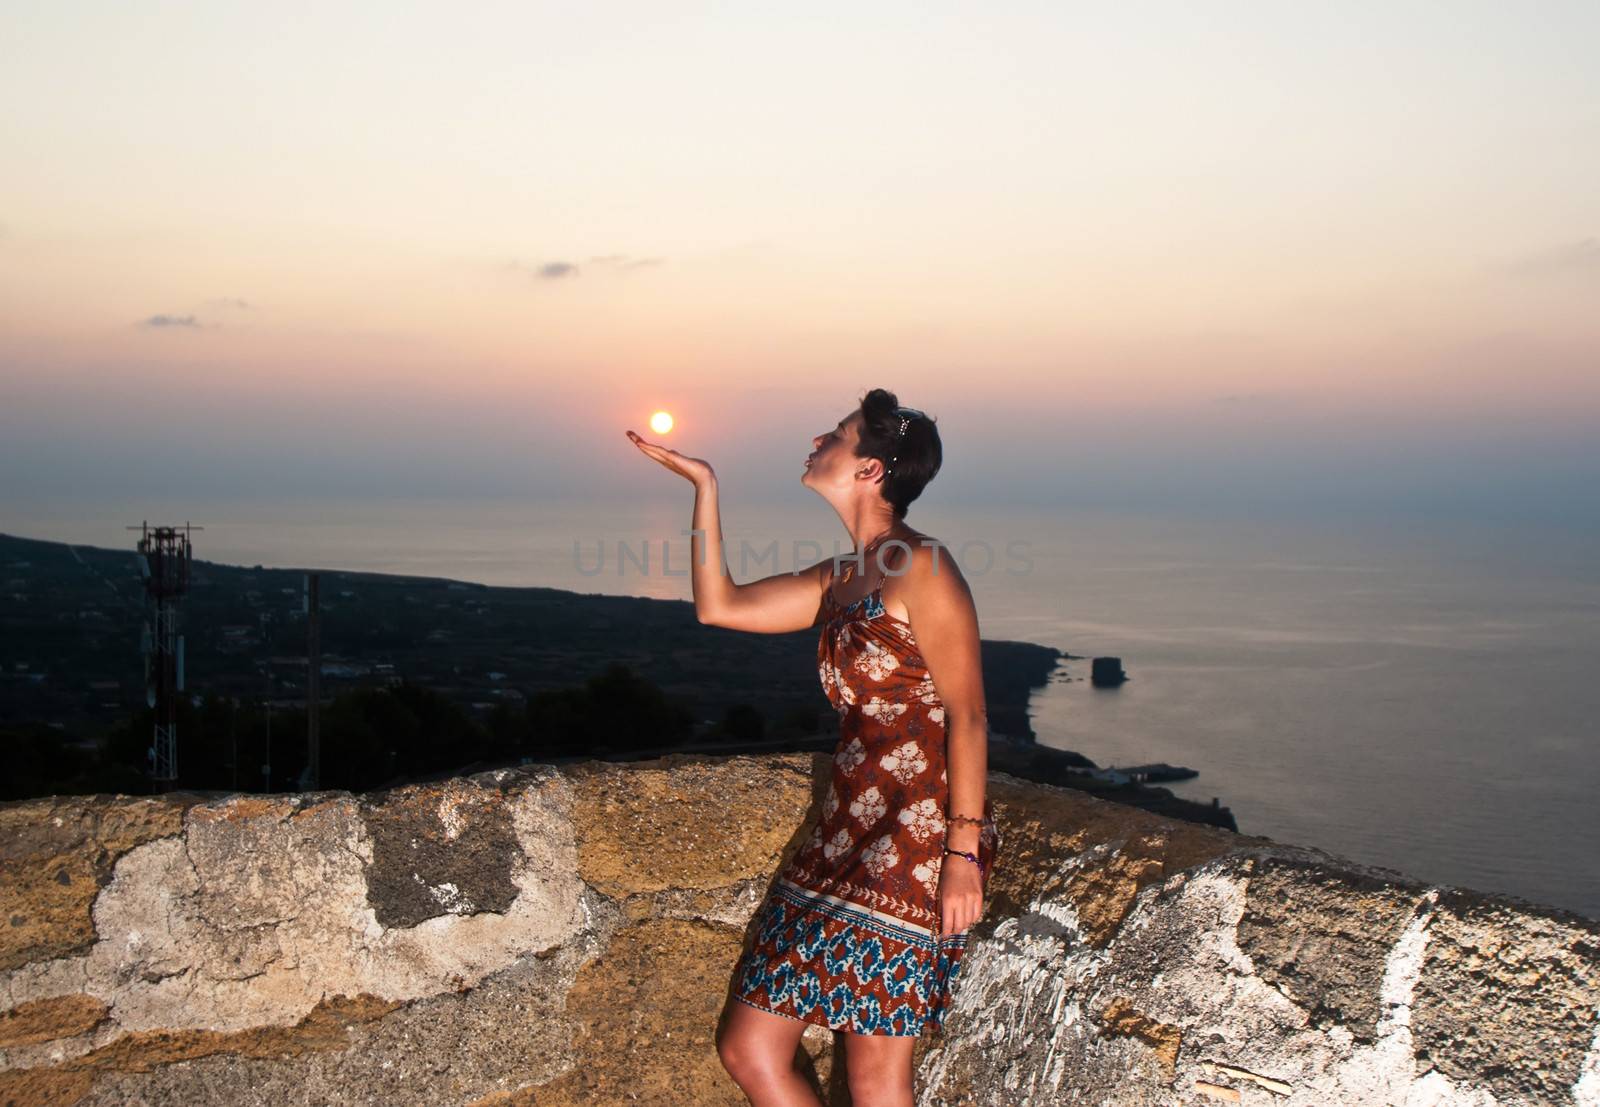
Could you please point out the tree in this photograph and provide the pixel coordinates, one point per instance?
(615, 711)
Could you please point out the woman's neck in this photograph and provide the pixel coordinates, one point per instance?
(863, 557)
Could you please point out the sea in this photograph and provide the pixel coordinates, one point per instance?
(1416, 693)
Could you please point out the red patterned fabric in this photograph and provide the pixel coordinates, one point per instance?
(848, 938)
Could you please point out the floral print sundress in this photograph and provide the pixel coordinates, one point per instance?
(848, 938)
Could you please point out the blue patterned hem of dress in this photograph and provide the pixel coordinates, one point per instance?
(846, 1013)
(848, 944)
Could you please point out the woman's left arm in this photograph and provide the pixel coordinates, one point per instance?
(944, 621)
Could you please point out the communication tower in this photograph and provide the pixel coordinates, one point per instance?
(164, 555)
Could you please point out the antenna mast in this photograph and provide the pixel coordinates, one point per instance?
(164, 556)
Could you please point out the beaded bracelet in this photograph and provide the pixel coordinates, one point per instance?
(969, 856)
(949, 818)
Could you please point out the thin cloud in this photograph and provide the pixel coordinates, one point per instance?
(1576, 260)
(171, 321)
(1245, 398)
(568, 270)
(624, 263)
(230, 302)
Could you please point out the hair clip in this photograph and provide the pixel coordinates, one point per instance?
(906, 415)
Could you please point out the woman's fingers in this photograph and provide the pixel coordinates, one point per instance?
(655, 451)
(693, 469)
(660, 453)
(959, 914)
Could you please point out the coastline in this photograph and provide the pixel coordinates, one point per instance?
(483, 646)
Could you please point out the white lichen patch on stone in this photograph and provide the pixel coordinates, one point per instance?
(252, 920)
(448, 896)
(1385, 1071)
(1030, 998)
(1249, 1023)
(450, 816)
(1209, 987)
(1017, 1002)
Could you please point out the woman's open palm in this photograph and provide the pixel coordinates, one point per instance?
(692, 469)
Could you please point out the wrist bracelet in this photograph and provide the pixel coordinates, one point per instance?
(949, 818)
(969, 856)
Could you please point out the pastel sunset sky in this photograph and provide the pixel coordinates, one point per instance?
(1301, 255)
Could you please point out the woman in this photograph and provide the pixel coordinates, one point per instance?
(864, 929)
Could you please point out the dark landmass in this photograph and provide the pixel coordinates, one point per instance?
(1159, 770)
(482, 674)
(71, 618)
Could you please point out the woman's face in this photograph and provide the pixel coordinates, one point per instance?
(833, 461)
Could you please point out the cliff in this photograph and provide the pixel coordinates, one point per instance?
(559, 936)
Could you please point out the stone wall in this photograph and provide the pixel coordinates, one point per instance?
(559, 936)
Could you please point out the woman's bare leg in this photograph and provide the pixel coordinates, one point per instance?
(757, 1048)
(879, 1067)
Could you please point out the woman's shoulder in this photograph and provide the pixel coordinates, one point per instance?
(914, 549)
(931, 571)
(916, 565)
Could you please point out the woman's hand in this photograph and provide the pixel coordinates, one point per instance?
(960, 895)
(692, 469)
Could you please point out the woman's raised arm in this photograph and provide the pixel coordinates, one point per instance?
(777, 604)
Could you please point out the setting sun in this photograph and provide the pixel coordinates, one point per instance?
(661, 422)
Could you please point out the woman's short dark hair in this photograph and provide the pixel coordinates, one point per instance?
(910, 460)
